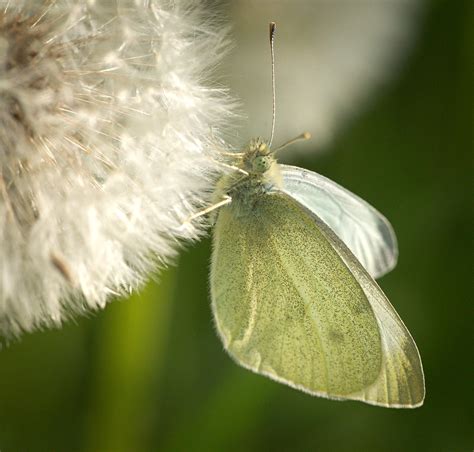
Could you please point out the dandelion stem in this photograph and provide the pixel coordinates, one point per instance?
(130, 347)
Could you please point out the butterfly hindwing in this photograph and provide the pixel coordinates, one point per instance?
(291, 302)
(286, 305)
(401, 382)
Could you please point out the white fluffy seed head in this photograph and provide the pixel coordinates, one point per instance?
(107, 143)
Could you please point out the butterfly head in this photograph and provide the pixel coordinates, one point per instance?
(258, 158)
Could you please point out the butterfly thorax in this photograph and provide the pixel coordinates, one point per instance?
(257, 175)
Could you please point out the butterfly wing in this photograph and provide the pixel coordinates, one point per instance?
(292, 303)
(365, 231)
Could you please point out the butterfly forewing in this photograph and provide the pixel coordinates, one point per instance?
(365, 231)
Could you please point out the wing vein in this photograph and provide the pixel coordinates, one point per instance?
(311, 318)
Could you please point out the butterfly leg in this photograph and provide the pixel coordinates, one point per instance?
(227, 200)
(232, 167)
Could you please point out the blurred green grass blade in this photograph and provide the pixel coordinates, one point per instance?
(130, 348)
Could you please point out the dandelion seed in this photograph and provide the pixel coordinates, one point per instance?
(105, 148)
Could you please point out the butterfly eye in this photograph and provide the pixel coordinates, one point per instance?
(261, 164)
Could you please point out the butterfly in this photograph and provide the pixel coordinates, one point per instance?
(292, 281)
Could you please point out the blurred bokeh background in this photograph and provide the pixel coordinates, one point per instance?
(149, 373)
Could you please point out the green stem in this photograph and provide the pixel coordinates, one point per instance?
(130, 349)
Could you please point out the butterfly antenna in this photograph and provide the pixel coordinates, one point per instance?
(303, 136)
(272, 51)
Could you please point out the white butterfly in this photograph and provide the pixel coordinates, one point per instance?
(292, 283)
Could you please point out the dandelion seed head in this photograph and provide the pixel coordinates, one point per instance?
(105, 148)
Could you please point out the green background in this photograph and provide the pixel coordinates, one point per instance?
(150, 374)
